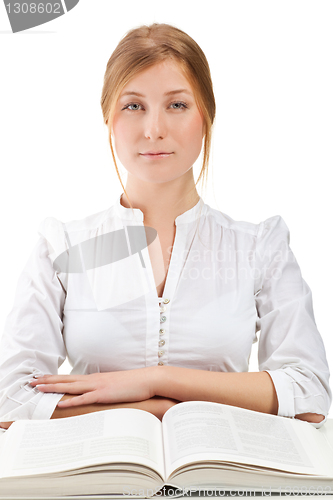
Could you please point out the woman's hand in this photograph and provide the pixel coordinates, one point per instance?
(109, 387)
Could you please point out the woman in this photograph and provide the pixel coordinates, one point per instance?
(174, 321)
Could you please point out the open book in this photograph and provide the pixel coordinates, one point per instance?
(129, 452)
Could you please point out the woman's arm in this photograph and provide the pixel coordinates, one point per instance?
(5, 425)
(167, 385)
(156, 405)
(251, 390)
(290, 349)
(32, 342)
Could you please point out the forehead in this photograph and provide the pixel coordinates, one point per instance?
(165, 78)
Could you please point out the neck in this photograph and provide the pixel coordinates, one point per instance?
(161, 203)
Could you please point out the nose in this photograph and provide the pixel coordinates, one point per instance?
(155, 126)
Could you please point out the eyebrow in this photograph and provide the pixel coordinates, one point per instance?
(171, 92)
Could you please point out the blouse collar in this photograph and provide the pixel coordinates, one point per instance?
(189, 216)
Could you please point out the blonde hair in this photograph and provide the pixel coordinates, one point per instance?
(146, 46)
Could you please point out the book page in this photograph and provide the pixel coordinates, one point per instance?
(327, 431)
(119, 435)
(201, 431)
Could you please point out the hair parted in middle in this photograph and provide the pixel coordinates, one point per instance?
(146, 46)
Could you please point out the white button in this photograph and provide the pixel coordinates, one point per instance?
(161, 343)
(162, 332)
(163, 309)
(163, 318)
(160, 363)
(160, 353)
(166, 301)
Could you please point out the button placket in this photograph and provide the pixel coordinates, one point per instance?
(161, 342)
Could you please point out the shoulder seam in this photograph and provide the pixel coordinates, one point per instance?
(228, 223)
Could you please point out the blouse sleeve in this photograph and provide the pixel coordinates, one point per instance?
(290, 347)
(32, 341)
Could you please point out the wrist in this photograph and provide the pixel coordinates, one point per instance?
(155, 379)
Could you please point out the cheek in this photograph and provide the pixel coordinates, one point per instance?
(192, 131)
(125, 128)
(120, 131)
(124, 138)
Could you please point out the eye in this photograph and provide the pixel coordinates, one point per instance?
(180, 105)
(132, 104)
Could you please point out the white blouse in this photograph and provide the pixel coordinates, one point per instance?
(227, 281)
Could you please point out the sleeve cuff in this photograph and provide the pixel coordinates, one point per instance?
(319, 424)
(284, 391)
(46, 406)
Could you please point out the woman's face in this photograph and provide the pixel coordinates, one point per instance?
(157, 113)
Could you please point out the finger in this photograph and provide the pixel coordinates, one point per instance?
(67, 388)
(46, 380)
(56, 379)
(84, 399)
(61, 378)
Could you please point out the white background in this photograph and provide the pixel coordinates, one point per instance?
(271, 64)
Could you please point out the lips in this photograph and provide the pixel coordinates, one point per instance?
(155, 155)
